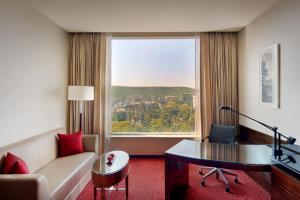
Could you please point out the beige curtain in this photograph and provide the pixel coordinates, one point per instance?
(87, 60)
(218, 79)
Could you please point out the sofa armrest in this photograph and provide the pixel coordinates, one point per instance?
(91, 143)
(24, 186)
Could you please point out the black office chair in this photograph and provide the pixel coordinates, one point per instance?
(224, 135)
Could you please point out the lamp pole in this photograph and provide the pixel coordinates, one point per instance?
(277, 151)
(80, 93)
(80, 115)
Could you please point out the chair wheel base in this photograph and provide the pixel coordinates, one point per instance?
(227, 189)
(202, 183)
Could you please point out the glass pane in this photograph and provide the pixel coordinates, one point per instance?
(153, 86)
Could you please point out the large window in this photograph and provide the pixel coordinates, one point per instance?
(153, 85)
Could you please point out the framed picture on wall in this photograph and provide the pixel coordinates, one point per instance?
(269, 76)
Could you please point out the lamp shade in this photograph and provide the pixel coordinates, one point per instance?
(80, 93)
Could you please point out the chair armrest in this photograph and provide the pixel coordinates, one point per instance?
(24, 186)
(202, 140)
(90, 143)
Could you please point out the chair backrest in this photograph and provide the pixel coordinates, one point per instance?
(222, 134)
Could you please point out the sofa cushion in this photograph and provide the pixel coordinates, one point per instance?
(70, 144)
(20, 167)
(14, 165)
(9, 162)
(65, 172)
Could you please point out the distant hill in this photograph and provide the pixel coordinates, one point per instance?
(122, 91)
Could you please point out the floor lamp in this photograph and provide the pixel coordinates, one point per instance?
(80, 93)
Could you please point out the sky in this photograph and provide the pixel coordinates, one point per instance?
(153, 62)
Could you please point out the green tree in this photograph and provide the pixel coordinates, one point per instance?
(122, 126)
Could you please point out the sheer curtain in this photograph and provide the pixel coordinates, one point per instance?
(218, 79)
(87, 66)
(197, 87)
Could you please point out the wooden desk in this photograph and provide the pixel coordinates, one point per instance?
(285, 179)
(282, 183)
(229, 156)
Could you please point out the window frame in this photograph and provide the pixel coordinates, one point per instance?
(114, 36)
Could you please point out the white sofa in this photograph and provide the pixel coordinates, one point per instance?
(50, 177)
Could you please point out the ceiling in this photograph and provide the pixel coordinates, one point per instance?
(151, 15)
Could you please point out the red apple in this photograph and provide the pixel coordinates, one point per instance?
(109, 158)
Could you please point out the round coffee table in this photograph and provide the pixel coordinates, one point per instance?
(105, 175)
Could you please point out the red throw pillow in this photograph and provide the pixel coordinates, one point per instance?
(69, 144)
(20, 168)
(10, 162)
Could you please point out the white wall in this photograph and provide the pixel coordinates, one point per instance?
(280, 24)
(33, 72)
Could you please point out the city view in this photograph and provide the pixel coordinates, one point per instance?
(153, 109)
(153, 86)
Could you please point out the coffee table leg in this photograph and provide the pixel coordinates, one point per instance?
(126, 185)
(102, 193)
(95, 192)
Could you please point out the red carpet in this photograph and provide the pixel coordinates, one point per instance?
(146, 182)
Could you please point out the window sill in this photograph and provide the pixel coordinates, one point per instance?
(128, 135)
